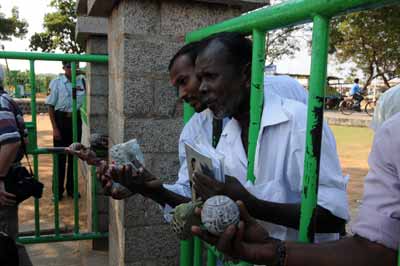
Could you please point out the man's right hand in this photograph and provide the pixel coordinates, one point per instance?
(6, 199)
(137, 181)
(56, 134)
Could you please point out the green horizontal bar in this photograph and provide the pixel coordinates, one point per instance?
(54, 57)
(286, 14)
(48, 150)
(53, 238)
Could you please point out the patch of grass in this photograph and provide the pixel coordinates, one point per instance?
(354, 145)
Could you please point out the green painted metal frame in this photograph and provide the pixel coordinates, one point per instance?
(35, 151)
(258, 22)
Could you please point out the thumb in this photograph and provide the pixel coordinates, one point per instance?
(244, 214)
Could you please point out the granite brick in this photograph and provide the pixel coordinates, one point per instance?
(155, 135)
(150, 242)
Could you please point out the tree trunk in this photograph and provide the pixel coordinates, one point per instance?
(385, 80)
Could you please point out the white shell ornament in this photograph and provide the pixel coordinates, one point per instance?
(218, 213)
(123, 154)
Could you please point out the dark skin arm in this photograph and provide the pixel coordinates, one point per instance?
(243, 242)
(52, 115)
(285, 214)
(139, 181)
(288, 215)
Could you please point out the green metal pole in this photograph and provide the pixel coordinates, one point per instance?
(198, 252)
(319, 58)
(186, 252)
(54, 57)
(56, 195)
(35, 156)
(67, 237)
(398, 262)
(17, 93)
(75, 139)
(256, 98)
(288, 13)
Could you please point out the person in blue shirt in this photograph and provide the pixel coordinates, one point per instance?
(356, 93)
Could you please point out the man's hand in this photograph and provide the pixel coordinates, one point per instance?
(83, 153)
(137, 181)
(141, 180)
(56, 133)
(207, 187)
(6, 199)
(242, 242)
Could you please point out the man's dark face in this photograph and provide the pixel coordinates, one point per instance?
(67, 70)
(182, 76)
(222, 84)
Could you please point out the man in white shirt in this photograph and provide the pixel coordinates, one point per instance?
(287, 123)
(59, 104)
(388, 105)
(223, 68)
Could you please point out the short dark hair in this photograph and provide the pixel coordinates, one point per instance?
(356, 80)
(239, 47)
(191, 50)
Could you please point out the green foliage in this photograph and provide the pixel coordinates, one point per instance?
(12, 26)
(59, 29)
(370, 39)
(282, 42)
(22, 78)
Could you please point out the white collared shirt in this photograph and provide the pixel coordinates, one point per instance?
(279, 160)
(61, 93)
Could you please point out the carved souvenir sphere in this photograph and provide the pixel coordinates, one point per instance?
(218, 213)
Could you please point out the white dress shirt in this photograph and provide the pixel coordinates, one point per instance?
(388, 105)
(61, 93)
(279, 159)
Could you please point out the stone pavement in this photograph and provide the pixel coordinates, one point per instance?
(356, 119)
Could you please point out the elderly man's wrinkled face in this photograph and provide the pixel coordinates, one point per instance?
(182, 76)
(221, 83)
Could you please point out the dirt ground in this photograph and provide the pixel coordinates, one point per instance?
(353, 148)
(46, 207)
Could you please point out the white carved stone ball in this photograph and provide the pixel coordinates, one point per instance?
(218, 213)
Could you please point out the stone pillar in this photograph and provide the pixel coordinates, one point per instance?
(143, 35)
(92, 31)
(142, 38)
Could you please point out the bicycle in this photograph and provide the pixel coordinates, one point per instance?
(348, 106)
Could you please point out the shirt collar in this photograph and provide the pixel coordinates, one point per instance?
(64, 78)
(273, 114)
(273, 110)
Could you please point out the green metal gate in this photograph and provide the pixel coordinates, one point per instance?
(36, 151)
(256, 24)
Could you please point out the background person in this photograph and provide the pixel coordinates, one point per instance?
(356, 93)
(11, 129)
(388, 105)
(59, 103)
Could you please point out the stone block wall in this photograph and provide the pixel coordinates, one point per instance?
(142, 38)
(97, 112)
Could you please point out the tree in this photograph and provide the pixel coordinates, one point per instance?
(59, 29)
(370, 39)
(12, 26)
(282, 42)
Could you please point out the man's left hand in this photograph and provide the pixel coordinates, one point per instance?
(244, 242)
(207, 187)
